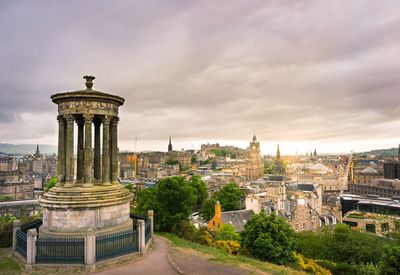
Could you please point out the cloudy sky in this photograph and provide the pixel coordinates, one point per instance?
(306, 74)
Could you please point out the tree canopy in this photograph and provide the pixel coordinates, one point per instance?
(229, 197)
(269, 238)
(173, 200)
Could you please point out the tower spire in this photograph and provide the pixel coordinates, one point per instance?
(37, 150)
(170, 145)
(278, 153)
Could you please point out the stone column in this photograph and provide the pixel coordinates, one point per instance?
(106, 151)
(69, 151)
(31, 247)
(61, 151)
(79, 150)
(150, 216)
(16, 226)
(90, 249)
(88, 161)
(97, 154)
(141, 236)
(114, 150)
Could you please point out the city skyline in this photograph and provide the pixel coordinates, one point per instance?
(269, 68)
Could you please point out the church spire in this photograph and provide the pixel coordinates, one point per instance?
(278, 153)
(37, 150)
(254, 138)
(170, 145)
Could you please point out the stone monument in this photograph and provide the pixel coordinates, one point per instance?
(92, 198)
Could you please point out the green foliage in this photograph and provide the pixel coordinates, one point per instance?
(173, 200)
(229, 197)
(200, 191)
(341, 246)
(226, 232)
(187, 231)
(6, 198)
(51, 183)
(130, 187)
(269, 167)
(6, 227)
(172, 162)
(229, 246)
(367, 269)
(390, 260)
(145, 200)
(269, 238)
(310, 266)
(207, 209)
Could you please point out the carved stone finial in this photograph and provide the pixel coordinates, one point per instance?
(89, 81)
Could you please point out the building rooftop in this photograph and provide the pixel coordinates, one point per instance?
(237, 218)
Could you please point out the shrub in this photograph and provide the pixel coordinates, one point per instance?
(229, 246)
(310, 266)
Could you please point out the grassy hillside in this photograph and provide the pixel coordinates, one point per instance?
(236, 261)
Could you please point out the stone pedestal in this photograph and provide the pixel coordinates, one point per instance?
(71, 212)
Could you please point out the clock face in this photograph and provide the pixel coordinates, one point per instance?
(254, 147)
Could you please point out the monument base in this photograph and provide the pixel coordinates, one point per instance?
(71, 211)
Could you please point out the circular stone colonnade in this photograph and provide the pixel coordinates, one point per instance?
(94, 198)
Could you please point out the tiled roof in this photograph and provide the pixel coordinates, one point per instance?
(237, 218)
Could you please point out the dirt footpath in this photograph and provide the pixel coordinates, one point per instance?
(163, 260)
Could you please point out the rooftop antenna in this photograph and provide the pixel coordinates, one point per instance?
(135, 142)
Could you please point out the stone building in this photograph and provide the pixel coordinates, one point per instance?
(8, 164)
(255, 166)
(300, 204)
(18, 190)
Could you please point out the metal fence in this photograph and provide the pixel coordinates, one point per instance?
(147, 231)
(35, 224)
(116, 244)
(21, 243)
(60, 250)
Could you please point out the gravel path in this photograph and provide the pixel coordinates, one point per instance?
(160, 259)
(155, 262)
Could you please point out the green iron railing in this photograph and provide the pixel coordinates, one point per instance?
(60, 250)
(35, 224)
(116, 244)
(21, 243)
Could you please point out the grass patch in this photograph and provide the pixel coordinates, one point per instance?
(9, 266)
(221, 256)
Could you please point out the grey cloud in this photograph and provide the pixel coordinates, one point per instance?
(304, 70)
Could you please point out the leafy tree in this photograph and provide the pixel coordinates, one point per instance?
(200, 190)
(145, 200)
(175, 202)
(226, 232)
(351, 250)
(172, 162)
(51, 183)
(390, 260)
(230, 197)
(269, 238)
(207, 209)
